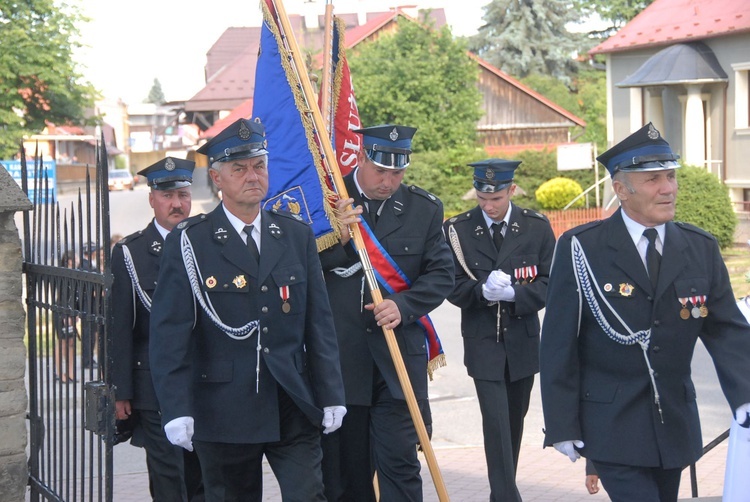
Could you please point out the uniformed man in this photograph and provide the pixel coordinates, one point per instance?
(243, 349)
(135, 268)
(628, 298)
(502, 256)
(406, 222)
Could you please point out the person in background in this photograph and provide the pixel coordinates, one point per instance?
(65, 325)
(502, 255)
(627, 300)
(243, 347)
(378, 433)
(173, 473)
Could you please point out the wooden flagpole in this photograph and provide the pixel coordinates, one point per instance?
(372, 282)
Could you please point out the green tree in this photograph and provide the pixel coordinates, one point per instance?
(420, 77)
(522, 37)
(614, 13)
(704, 201)
(39, 81)
(156, 95)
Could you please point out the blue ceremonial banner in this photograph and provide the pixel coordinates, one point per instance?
(297, 179)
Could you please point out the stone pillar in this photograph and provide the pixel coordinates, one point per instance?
(13, 398)
(695, 128)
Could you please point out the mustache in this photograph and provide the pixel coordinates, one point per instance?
(176, 211)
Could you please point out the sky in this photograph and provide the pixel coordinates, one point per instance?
(128, 46)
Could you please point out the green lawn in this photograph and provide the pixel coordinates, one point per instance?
(737, 259)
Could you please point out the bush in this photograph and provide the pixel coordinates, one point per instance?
(558, 192)
(703, 201)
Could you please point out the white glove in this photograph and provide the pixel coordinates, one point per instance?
(497, 280)
(180, 432)
(742, 415)
(504, 294)
(569, 448)
(332, 418)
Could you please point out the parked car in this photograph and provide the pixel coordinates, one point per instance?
(120, 180)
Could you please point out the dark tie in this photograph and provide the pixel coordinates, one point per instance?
(372, 208)
(251, 245)
(497, 234)
(653, 258)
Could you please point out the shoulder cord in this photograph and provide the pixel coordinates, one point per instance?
(194, 275)
(584, 279)
(456, 245)
(130, 266)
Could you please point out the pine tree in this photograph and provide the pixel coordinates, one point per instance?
(156, 95)
(522, 37)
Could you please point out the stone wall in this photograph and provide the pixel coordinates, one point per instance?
(13, 398)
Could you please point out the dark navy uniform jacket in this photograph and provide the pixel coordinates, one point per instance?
(528, 245)
(131, 372)
(598, 390)
(409, 228)
(200, 371)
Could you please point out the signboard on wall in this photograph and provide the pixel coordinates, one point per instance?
(47, 173)
(575, 156)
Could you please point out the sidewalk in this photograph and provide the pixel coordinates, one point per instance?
(544, 475)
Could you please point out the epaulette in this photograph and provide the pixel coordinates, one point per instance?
(534, 214)
(129, 238)
(693, 228)
(582, 228)
(424, 193)
(460, 217)
(193, 220)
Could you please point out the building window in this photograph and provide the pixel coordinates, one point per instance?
(741, 96)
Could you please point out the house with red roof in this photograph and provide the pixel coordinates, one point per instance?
(515, 117)
(684, 65)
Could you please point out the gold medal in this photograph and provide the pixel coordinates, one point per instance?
(211, 282)
(704, 310)
(239, 282)
(285, 307)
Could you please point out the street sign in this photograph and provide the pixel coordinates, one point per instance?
(48, 171)
(575, 156)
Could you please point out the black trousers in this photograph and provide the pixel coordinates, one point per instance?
(164, 461)
(233, 472)
(626, 483)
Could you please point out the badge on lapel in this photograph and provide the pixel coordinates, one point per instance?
(221, 234)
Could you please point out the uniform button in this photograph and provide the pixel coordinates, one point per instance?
(264, 288)
(138, 363)
(649, 298)
(226, 286)
(266, 350)
(505, 329)
(656, 375)
(292, 278)
(406, 248)
(502, 310)
(369, 330)
(657, 322)
(264, 310)
(203, 375)
(657, 348)
(411, 317)
(588, 394)
(265, 330)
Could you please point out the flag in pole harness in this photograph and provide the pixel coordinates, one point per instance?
(298, 181)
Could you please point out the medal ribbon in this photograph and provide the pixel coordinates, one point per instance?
(284, 293)
(393, 279)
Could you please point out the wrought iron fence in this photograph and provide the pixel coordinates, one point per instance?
(67, 282)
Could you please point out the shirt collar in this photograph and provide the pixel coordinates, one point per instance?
(162, 231)
(240, 225)
(635, 229)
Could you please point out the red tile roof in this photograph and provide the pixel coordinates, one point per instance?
(670, 21)
(243, 111)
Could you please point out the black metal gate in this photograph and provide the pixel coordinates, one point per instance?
(68, 278)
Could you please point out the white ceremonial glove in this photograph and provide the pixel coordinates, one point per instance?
(332, 418)
(180, 432)
(569, 448)
(507, 294)
(497, 280)
(742, 415)
(491, 294)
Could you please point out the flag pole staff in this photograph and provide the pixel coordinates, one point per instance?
(377, 297)
(326, 85)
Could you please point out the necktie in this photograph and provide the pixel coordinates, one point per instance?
(372, 208)
(497, 234)
(251, 245)
(653, 258)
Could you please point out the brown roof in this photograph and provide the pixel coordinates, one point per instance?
(670, 21)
